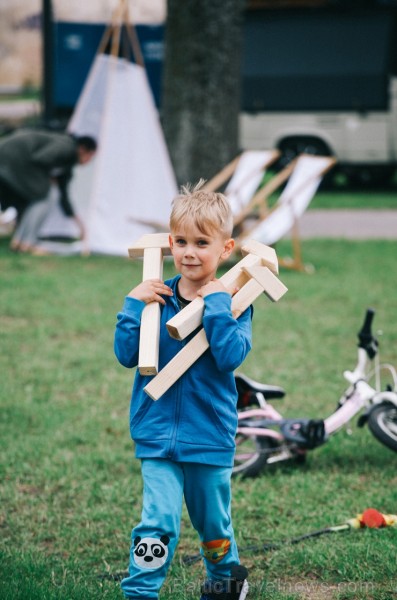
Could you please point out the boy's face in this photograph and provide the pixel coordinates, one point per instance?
(197, 255)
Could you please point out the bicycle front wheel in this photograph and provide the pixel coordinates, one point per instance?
(382, 422)
(251, 454)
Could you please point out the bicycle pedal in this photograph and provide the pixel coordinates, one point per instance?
(306, 433)
(316, 432)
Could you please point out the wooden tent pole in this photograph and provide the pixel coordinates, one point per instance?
(132, 35)
(120, 17)
(110, 30)
(105, 39)
(117, 20)
(116, 41)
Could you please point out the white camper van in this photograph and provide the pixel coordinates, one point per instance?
(323, 82)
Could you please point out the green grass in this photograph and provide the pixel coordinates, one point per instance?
(27, 93)
(345, 199)
(338, 195)
(70, 486)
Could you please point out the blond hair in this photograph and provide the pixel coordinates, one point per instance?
(208, 211)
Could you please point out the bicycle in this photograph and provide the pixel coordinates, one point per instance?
(264, 437)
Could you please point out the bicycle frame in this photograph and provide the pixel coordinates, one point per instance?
(282, 435)
(356, 397)
(360, 394)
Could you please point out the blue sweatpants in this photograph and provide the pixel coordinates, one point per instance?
(206, 489)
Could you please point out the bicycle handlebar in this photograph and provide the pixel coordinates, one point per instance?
(366, 340)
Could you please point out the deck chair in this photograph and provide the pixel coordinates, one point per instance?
(242, 177)
(303, 177)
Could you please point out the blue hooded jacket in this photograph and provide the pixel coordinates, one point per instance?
(196, 419)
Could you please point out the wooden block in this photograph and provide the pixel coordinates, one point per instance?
(245, 297)
(266, 253)
(149, 339)
(150, 321)
(188, 319)
(177, 366)
(151, 240)
(153, 247)
(199, 344)
(272, 286)
(152, 263)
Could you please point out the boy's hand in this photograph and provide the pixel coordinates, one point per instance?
(211, 287)
(151, 291)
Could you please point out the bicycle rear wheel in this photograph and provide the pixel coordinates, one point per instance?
(251, 454)
(382, 422)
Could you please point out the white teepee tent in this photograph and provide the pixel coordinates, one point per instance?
(130, 183)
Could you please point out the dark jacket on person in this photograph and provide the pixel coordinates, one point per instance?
(29, 159)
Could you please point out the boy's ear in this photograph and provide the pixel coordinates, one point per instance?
(171, 243)
(228, 248)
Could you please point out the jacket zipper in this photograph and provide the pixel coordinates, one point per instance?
(178, 395)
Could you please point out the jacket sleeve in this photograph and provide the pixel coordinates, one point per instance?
(55, 152)
(229, 338)
(126, 338)
(63, 180)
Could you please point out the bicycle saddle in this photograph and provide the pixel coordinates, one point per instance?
(244, 384)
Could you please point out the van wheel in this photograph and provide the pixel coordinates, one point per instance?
(291, 147)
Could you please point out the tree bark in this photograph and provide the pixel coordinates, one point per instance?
(202, 81)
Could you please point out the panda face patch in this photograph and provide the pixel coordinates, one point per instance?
(151, 553)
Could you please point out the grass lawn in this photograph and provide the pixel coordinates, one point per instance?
(70, 486)
(344, 198)
(339, 195)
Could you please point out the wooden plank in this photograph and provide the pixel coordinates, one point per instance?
(149, 340)
(199, 344)
(150, 322)
(150, 240)
(246, 296)
(188, 319)
(272, 286)
(267, 254)
(177, 366)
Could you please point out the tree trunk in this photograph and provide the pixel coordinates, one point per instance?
(201, 94)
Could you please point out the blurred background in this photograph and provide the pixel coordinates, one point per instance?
(316, 76)
(21, 36)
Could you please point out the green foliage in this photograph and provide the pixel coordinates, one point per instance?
(335, 193)
(70, 486)
(344, 199)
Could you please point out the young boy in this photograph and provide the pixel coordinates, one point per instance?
(185, 440)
